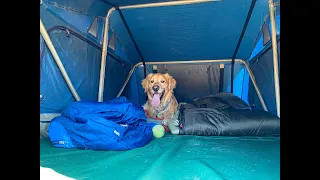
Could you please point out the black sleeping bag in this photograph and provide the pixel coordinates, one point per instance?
(224, 114)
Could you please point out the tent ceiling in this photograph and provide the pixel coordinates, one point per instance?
(199, 31)
(186, 32)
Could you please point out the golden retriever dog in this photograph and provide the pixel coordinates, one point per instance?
(161, 103)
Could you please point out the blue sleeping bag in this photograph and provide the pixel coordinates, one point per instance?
(112, 125)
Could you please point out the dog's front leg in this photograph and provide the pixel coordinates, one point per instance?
(172, 124)
(167, 117)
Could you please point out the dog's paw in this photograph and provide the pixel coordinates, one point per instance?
(173, 128)
(176, 122)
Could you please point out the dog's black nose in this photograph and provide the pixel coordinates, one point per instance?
(156, 88)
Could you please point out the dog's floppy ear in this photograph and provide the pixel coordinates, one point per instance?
(145, 82)
(171, 82)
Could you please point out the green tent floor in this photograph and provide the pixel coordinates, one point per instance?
(172, 157)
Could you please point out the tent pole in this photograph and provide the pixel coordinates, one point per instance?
(54, 53)
(199, 62)
(275, 55)
(169, 3)
(104, 56)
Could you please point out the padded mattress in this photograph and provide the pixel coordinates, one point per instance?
(172, 157)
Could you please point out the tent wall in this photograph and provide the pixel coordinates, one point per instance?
(239, 70)
(263, 71)
(242, 79)
(134, 91)
(193, 80)
(261, 64)
(81, 59)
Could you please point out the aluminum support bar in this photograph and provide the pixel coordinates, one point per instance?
(104, 56)
(275, 55)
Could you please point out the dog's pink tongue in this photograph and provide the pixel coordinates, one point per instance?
(155, 100)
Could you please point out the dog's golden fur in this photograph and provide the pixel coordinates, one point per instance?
(168, 103)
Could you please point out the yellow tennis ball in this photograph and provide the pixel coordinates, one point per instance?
(158, 131)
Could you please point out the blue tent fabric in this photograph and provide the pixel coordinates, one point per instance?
(113, 125)
(259, 45)
(241, 80)
(257, 49)
(80, 59)
(198, 31)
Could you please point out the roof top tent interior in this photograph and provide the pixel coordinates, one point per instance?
(98, 50)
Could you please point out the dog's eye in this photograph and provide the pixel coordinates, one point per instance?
(152, 81)
(162, 81)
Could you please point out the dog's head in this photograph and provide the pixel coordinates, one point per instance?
(158, 84)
